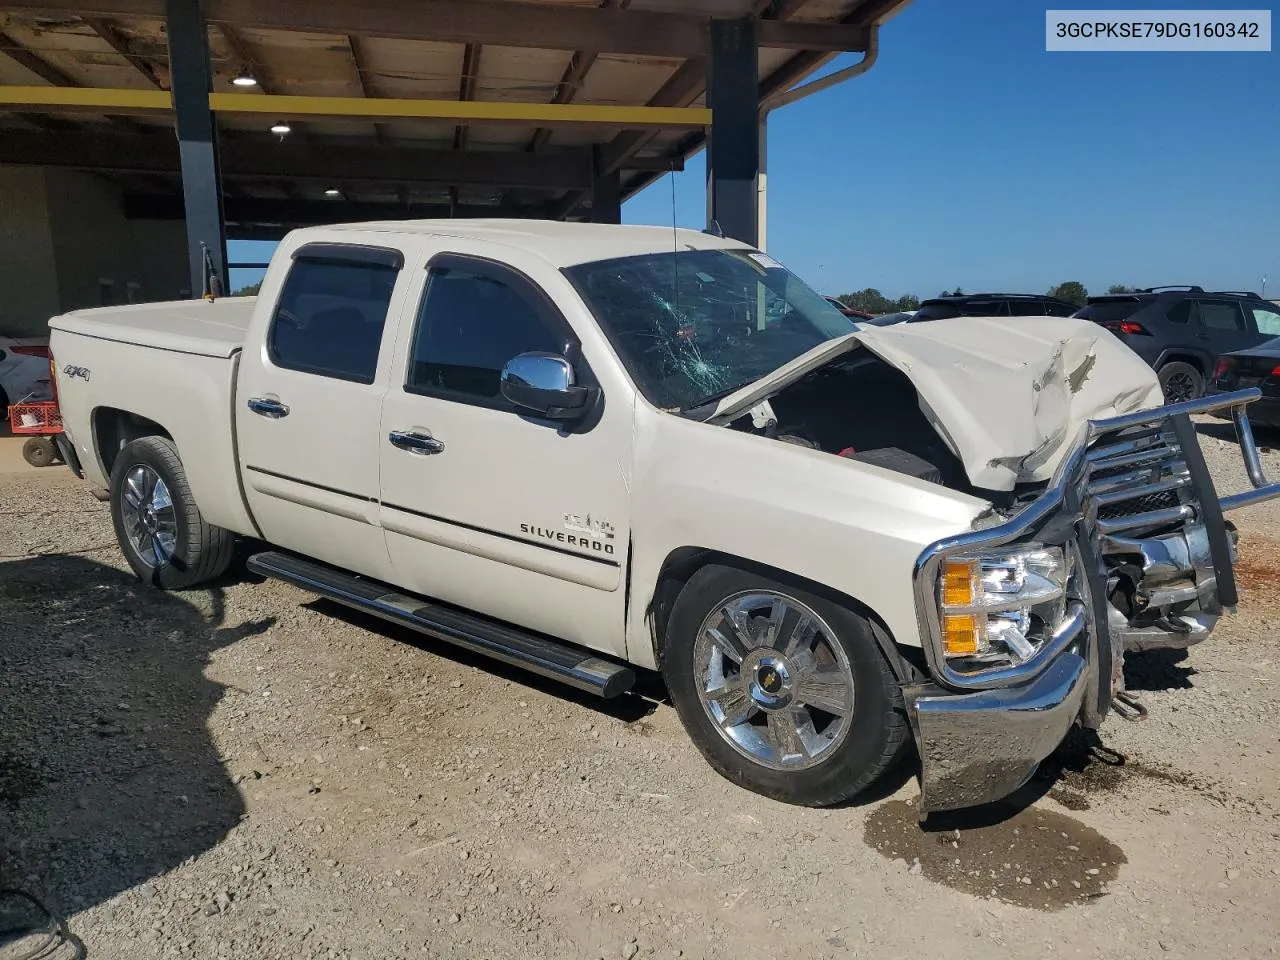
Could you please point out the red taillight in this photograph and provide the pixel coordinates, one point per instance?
(1221, 368)
(1126, 326)
(30, 351)
(1275, 371)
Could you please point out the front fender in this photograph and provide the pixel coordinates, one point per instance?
(849, 526)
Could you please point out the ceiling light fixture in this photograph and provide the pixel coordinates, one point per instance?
(333, 192)
(281, 129)
(244, 79)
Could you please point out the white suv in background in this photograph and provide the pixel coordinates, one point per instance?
(24, 372)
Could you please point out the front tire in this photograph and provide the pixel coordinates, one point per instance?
(158, 525)
(783, 691)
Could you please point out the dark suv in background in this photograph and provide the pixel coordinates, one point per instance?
(993, 305)
(1181, 331)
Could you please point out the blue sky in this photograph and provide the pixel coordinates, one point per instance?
(970, 156)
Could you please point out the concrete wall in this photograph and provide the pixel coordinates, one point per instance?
(28, 279)
(66, 244)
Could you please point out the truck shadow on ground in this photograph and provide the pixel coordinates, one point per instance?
(108, 776)
(644, 699)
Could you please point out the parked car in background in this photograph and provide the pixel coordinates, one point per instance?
(1255, 367)
(848, 311)
(889, 319)
(24, 372)
(993, 305)
(1182, 331)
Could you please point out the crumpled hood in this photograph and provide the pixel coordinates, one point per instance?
(1007, 394)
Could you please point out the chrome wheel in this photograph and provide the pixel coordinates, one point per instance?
(149, 518)
(774, 680)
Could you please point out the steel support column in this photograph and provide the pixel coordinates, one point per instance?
(733, 154)
(606, 193)
(197, 139)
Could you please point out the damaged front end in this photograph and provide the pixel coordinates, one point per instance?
(1025, 622)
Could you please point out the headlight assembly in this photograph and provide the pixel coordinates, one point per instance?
(999, 606)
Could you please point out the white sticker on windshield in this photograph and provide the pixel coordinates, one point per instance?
(765, 261)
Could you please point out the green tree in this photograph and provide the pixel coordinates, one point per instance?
(249, 291)
(869, 300)
(1117, 288)
(1073, 291)
(957, 292)
(908, 301)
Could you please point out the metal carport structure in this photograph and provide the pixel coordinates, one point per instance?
(397, 108)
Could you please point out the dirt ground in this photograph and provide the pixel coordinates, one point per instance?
(248, 772)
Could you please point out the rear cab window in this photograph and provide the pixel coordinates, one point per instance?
(332, 310)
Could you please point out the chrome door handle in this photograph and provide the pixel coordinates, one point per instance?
(418, 443)
(263, 407)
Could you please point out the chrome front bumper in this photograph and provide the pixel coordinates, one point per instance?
(982, 734)
(979, 747)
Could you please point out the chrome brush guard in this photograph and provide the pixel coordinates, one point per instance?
(1136, 502)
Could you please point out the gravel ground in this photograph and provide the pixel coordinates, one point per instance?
(248, 772)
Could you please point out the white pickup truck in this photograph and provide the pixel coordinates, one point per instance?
(586, 449)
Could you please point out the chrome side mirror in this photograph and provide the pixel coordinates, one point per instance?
(543, 384)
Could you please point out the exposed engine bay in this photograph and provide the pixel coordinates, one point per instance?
(1006, 398)
(862, 408)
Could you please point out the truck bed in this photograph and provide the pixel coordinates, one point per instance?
(200, 327)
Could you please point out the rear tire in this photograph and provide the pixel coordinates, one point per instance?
(1181, 381)
(158, 525)
(805, 711)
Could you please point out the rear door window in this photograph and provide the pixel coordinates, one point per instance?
(331, 312)
(1054, 309)
(1026, 308)
(1221, 315)
(1225, 327)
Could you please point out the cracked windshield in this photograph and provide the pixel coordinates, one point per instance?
(695, 325)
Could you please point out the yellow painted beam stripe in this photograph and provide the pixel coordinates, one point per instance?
(477, 110)
(82, 97)
(286, 107)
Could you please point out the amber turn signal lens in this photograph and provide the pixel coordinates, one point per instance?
(958, 578)
(960, 635)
